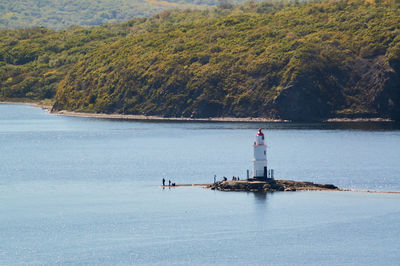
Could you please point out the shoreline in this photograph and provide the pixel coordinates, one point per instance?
(318, 187)
(188, 119)
(160, 118)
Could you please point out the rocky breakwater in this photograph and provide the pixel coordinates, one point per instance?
(269, 185)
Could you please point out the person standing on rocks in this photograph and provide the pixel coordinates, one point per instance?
(163, 181)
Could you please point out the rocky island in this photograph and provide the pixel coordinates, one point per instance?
(269, 185)
(263, 179)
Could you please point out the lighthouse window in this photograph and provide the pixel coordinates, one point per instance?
(265, 152)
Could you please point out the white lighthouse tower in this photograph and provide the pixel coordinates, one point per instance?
(260, 156)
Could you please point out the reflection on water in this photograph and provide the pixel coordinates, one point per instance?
(366, 126)
(260, 197)
(204, 125)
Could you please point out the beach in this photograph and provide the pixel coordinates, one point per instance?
(48, 108)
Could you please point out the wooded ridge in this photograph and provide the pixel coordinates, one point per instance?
(293, 61)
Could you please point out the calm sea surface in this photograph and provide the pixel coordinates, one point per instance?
(86, 191)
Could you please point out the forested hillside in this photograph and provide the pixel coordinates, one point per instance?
(301, 62)
(33, 61)
(60, 14)
(296, 61)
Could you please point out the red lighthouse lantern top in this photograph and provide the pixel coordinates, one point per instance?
(259, 133)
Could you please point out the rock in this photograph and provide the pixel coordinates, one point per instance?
(327, 186)
(269, 185)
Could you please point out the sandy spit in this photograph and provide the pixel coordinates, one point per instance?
(160, 118)
(210, 119)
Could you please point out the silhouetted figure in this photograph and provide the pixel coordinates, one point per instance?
(225, 178)
(169, 182)
(163, 182)
(173, 184)
(215, 179)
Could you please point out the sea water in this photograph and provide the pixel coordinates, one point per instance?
(87, 191)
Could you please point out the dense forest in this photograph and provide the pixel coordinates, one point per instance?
(60, 14)
(289, 60)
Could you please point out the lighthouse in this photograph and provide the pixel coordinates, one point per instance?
(260, 156)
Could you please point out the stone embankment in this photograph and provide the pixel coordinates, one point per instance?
(269, 185)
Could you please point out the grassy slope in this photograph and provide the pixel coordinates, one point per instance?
(299, 62)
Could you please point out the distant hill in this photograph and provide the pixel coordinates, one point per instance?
(295, 61)
(60, 14)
